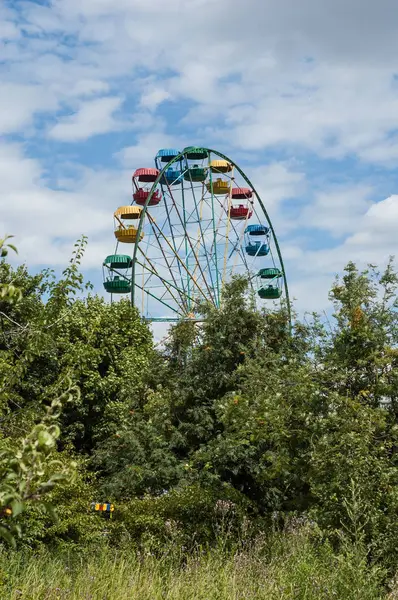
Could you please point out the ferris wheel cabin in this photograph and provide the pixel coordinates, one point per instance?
(194, 153)
(172, 176)
(167, 154)
(196, 174)
(124, 232)
(116, 283)
(142, 184)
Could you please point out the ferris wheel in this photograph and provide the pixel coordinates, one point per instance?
(194, 222)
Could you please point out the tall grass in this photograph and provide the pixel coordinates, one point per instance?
(279, 568)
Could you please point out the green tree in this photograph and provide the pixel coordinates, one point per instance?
(50, 334)
(28, 466)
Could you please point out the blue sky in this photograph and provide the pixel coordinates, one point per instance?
(302, 95)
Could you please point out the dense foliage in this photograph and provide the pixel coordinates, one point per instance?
(234, 425)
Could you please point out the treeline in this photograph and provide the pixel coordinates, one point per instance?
(233, 427)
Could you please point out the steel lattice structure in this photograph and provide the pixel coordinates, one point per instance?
(195, 221)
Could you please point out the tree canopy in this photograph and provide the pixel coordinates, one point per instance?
(238, 409)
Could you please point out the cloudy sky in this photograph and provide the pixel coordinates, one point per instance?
(302, 94)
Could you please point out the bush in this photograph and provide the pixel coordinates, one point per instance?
(72, 525)
(189, 516)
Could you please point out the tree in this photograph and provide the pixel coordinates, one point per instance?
(28, 469)
(50, 334)
(361, 356)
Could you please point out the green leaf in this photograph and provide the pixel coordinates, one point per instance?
(17, 508)
(7, 536)
(50, 510)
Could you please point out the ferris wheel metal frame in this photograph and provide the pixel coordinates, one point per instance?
(171, 285)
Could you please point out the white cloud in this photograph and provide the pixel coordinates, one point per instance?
(154, 96)
(276, 182)
(380, 225)
(373, 240)
(8, 30)
(93, 118)
(337, 211)
(18, 103)
(250, 73)
(89, 87)
(46, 222)
(16, 171)
(142, 154)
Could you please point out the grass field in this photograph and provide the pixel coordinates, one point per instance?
(281, 568)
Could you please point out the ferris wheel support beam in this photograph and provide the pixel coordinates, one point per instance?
(231, 224)
(185, 237)
(160, 300)
(199, 217)
(152, 222)
(123, 276)
(193, 252)
(240, 243)
(243, 257)
(214, 235)
(176, 250)
(171, 320)
(177, 256)
(228, 229)
(170, 225)
(167, 284)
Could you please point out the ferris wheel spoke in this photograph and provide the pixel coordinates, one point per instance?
(239, 253)
(180, 260)
(182, 315)
(236, 233)
(153, 224)
(192, 249)
(166, 283)
(200, 234)
(214, 235)
(229, 203)
(178, 234)
(155, 247)
(171, 228)
(184, 212)
(199, 217)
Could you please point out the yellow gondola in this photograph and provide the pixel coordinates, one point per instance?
(127, 235)
(219, 187)
(220, 166)
(128, 212)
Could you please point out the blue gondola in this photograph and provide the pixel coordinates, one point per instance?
(167, 154)
(171, 176)
(257, 249)
(257, 230)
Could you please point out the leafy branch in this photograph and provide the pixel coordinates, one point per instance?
(29, 470)
(8, 291)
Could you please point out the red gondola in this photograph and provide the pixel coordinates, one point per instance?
(141, 196)
(240, 213)
(241, 194)
(146, 175)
